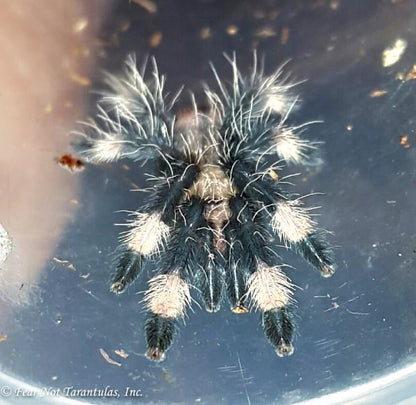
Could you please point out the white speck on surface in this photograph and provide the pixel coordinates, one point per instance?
(5, 245)
(393, 53)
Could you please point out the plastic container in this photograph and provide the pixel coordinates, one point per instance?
(355, 331)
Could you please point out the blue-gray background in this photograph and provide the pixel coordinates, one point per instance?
(351, 328)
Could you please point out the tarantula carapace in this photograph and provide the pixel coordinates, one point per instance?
(216, 202)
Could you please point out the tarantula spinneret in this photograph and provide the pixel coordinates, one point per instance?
(216, 202)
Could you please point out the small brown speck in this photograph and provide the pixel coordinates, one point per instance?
(284, 36)
(156, 39)
(80, 25)
(121, 353)
(3, 337)
(71, 163)
(81, 51)
(124, 26)
(334, 4)
(205, 33)
(265, 32)
(148, 5)
(404, 141)
(81, 80)
(66, 263)
(232, 30)
(108, 359)
(377, 93)
(412, 74)
(273, 174)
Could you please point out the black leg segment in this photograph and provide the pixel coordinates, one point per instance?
(278, 328)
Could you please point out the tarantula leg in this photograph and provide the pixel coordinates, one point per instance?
(128, 269)
(293, 149)
(316, 251)
(210, 276)
(278, 328)
(215, 290)
(248, 246)
(237, 289)
(292, 222)
(133, 118)
(271, 291)
(160, 332)
(147, 233)
(172, 190)
(269, 288)
(209, 280)
(237, 274)
(168, 294)
(166, 300)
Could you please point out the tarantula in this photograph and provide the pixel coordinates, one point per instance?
(216, 202)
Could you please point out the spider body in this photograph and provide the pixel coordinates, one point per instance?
(216, 203)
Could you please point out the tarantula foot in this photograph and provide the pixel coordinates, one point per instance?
(284, 349)
(118, 287)
(240, 309)
(155, 354)
(327, 270)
